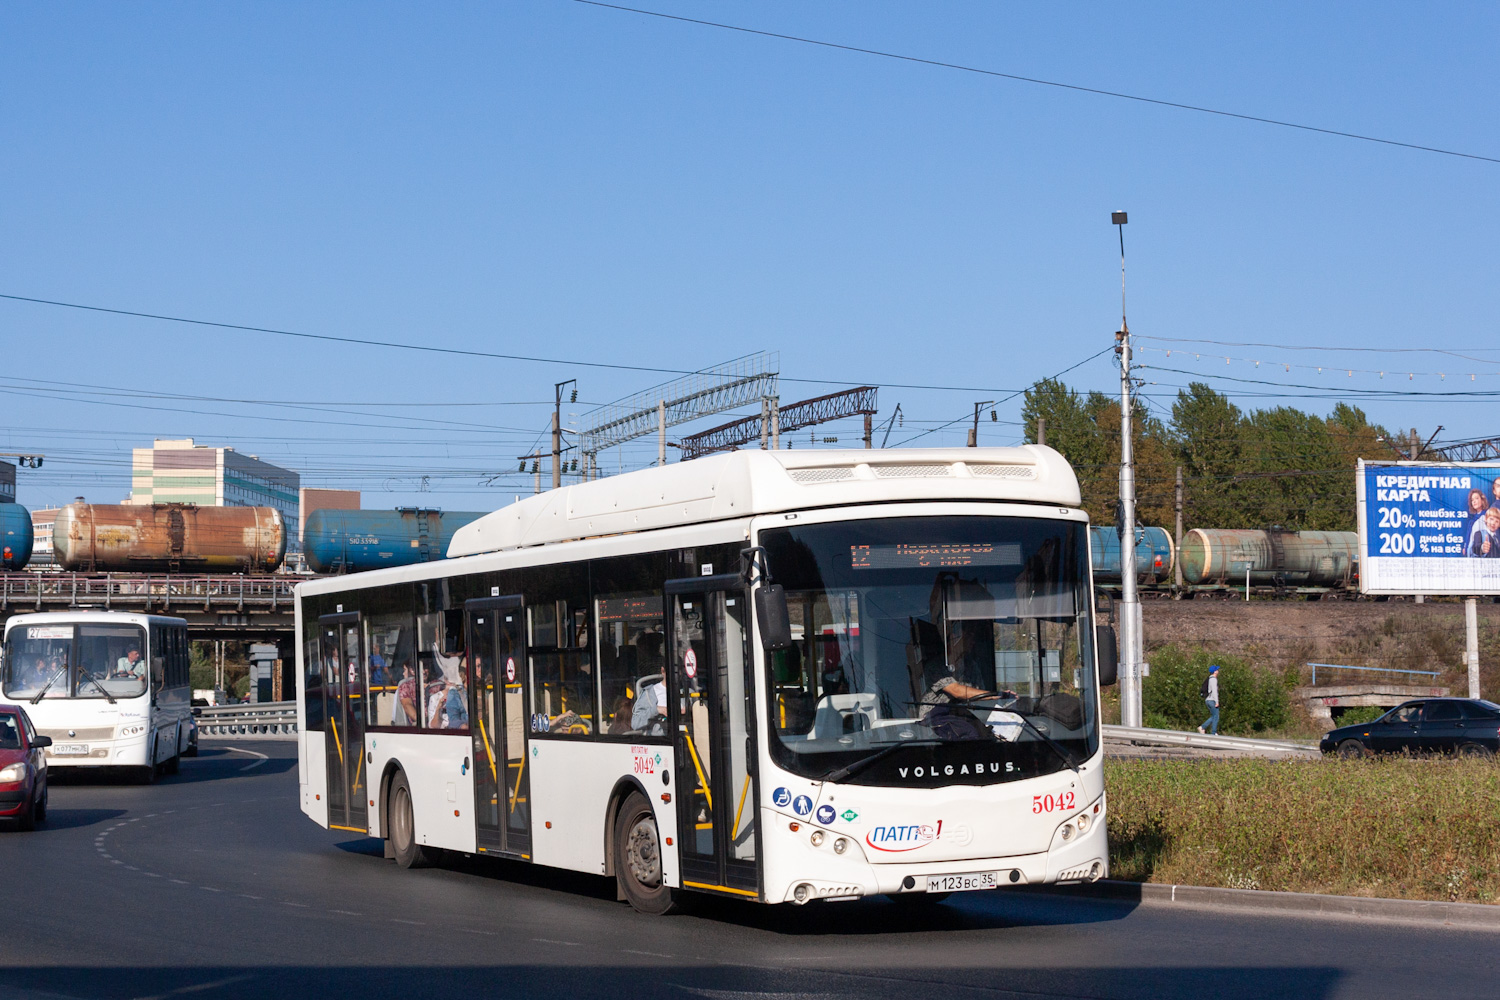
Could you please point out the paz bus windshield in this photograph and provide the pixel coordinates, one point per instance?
(74, 661)
(933, 650)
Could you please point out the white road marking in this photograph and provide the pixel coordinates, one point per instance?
(254, 763)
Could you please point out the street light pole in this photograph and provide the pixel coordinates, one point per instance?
(1129, 613)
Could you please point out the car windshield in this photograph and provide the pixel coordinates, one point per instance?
(933, 650)
(74, 661)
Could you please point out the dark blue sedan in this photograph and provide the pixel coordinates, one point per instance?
(1467, 727)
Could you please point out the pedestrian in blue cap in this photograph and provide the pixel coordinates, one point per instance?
(1210, 691)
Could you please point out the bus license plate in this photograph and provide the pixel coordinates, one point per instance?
(70, 750)
(962, 883)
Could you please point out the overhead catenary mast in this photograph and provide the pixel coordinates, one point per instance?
(1129, 605)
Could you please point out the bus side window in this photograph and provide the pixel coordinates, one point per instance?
(158, 657)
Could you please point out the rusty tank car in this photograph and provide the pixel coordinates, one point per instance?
(169, 538)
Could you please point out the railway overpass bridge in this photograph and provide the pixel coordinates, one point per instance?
(232, 606)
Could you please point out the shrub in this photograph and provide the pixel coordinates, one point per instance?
(1250, 701)
(1403, 828)
(1359, 713)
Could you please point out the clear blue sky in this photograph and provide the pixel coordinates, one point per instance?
(553, 179)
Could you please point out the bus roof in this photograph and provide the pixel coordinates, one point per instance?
(81, 615)
(747, 483)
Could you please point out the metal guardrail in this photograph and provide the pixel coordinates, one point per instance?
(266, 719)
(1377, 670)
(1173, 737)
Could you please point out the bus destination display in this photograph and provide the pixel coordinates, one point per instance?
(942, 555)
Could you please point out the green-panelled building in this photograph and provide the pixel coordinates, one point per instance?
(179, 471)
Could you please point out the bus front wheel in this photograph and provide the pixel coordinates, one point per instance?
(638, 860)
(401, 825)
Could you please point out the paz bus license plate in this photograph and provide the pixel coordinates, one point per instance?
(71, 750)
(961, 883)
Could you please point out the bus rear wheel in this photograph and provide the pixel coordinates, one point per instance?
(401, 825)
(638, 859)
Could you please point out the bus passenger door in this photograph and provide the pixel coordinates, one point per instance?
(342, 653)
(714, 719)
(498, 724)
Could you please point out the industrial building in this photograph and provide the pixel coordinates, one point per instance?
(7, 483)
(180, 471)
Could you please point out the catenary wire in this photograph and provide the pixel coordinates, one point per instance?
(1079, 88)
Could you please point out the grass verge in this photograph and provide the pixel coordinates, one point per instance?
(1399, 828)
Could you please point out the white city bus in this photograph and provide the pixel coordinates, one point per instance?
(911, 707)
(110, 688)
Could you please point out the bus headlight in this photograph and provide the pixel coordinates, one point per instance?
(1066, 832)
(817, 838)
(132, 730)
(1083, 822)
(840, 846)
(13, 772)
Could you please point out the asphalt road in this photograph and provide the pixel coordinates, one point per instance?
(212, 885)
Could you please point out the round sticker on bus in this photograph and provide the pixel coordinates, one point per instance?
(690, 663)
(510, 670)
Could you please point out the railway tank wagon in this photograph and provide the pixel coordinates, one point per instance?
(352, 541)
(1153, 555)
(1273, 558)
(16, 536)
(169, 538)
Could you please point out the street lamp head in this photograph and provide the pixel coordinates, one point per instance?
(1117, 218)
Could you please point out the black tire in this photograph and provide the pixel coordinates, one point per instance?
(401, 825)
(174, 764)
(637, 856)
(26, 818)
(1351, 750)
(147, 775)
(41, 807)
(1475, 751)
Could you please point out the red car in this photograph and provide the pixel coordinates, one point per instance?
(23, 769)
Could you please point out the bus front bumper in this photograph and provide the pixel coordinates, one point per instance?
(1084, 857)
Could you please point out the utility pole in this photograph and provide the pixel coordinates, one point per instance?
(1177, 556)
(974, 431)
(661, 432)
(1129, 616)
(775, 423)
(1471, 626)
(869, 430)
(1041, 431)
(557, 428)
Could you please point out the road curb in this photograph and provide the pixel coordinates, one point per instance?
(1480, 916)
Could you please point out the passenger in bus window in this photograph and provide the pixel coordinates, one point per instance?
(404, 710)
(130, 664)
(455, 704)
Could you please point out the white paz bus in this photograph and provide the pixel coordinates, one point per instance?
(779, 676)
(110, 688)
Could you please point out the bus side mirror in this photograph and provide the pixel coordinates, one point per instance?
(1108, 653)
(771, 613)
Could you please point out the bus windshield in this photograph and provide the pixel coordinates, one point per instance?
(74, 661)
(933, 650)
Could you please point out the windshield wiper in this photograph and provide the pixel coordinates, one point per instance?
(849, 770)
(1055, 746)
(87, 673)
(1024, 716)
(50, 681)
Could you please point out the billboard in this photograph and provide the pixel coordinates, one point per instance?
(1429, 528)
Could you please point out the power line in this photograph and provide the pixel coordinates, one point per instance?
(367, 342)
(1312, 347)
(1043, 83)
(1007, 399)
